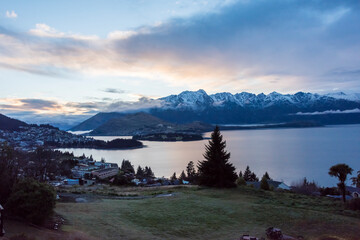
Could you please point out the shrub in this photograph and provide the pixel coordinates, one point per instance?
(123, 179)
(240, 181)
(305, 187)
(353, 204)
(329, 191)
(32, 200)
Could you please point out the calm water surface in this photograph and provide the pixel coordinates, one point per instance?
(287, 154)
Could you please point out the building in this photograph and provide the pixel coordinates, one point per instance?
(354, 191)
(105, 173)
(71, 182)
(276, 185)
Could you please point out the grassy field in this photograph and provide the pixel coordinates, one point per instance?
(199, 213)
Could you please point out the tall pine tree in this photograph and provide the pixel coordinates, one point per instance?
(216, 170)
(191, 172)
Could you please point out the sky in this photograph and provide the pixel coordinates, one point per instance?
(67, 60)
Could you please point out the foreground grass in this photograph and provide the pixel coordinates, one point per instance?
(23, 231)
(196, 213)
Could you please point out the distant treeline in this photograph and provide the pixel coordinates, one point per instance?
(97, 144)
(168, 137)
(278, 125)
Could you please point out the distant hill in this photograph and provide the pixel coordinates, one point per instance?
(7, 123)
(131, 124)
(144, 123)
(96, 121)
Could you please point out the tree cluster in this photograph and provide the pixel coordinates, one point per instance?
(20, 190)
(250, 176)
(305, 187)
(32, 200)
(126, 167)
(146, 172)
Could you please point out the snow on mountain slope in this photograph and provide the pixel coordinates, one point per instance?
(188, 99)
(197, 100)
(349, 96)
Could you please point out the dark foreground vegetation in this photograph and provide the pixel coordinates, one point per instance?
(98, 144)
(23, 189)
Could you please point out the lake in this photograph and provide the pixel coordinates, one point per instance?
(286, 154)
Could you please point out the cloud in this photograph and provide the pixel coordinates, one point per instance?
(11, 14)
(346, 72)
(246, 45)
(121, 34)
(114, 90)
(67, 114)
(29, 104)
(62, 121)
(43, 30)
(41, 111)
(356, 110)
(144, 103)
(39, 104)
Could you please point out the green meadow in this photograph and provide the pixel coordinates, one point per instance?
(201, 213)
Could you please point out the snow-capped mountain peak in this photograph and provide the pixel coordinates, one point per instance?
(341, 95)
(197, 100)
(188, 99)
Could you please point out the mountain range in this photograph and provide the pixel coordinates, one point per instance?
(245, 108)
(200, 100)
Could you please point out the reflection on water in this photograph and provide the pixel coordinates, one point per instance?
(287, 154)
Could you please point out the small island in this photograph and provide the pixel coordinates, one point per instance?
(169, 137)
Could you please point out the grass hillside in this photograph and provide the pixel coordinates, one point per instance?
(96, 121)
(7, 123)
(144, 123)
(201, 213)
(131, 123)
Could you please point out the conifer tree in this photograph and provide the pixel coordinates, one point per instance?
(247, 174)
(267, 176)
(190, 170)
(250, 176)
(264, 183)
(173, 177)
(140, 172)
(216, 170)
(254, 178)
(182, 176)
(148, 172)
(126, 166)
